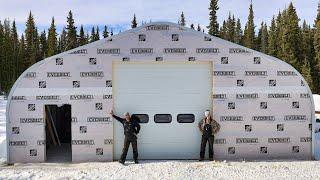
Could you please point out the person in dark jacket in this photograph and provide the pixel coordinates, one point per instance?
(131, 128)
(208, 127)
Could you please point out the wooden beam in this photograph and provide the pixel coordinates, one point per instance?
(54, 127)
(48, 123)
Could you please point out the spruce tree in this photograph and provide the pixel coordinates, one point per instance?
(43, 45)
(82, 37)
(87, 38)
(63, 40)
(230, 34)
(273, 38)
(15, 49)
(182, 20)
(134, 22)
(21, 55)
(1, 56)
(8, 58)
(316, 44)
(93, 35)
(39, 56)
(279, 32)
(238, 33)
(315, 33)
(71, 33)
(308, 51)
(105, 32)
(306, 73)
(259, 37)
(249, 32)
(223, 30)
(59, 49)
(52, 39)
(264, 39)
(213, 21)
(307, 42)
(97, 37)
(30, 38)
(5, 60)
(291, 38)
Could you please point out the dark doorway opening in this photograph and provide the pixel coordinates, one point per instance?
(58, 133)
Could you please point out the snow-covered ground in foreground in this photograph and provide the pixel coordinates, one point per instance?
(3, 144)
(154, 169)
(165, 170)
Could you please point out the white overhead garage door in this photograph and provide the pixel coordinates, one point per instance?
(166, 89)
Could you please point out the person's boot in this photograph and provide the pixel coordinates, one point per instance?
(121, 161)
(201, 159)
(210, 159)
(136, 161)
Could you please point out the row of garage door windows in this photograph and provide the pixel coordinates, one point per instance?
(164, 118)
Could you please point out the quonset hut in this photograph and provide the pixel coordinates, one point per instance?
(167, 75)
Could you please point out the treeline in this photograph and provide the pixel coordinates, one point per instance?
(284, 37)
(17, 53)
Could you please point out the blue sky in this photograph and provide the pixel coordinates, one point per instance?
(118, 14)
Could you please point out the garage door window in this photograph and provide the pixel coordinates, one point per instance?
(142, 118)
(185, 118)
(162, 118)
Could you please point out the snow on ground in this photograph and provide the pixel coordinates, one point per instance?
(154, 169)
(165, 170)
(3, 144)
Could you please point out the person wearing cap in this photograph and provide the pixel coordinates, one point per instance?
(131, 128)
(208, 127)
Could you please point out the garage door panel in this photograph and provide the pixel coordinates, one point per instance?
(192, 101)
(166, 88)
